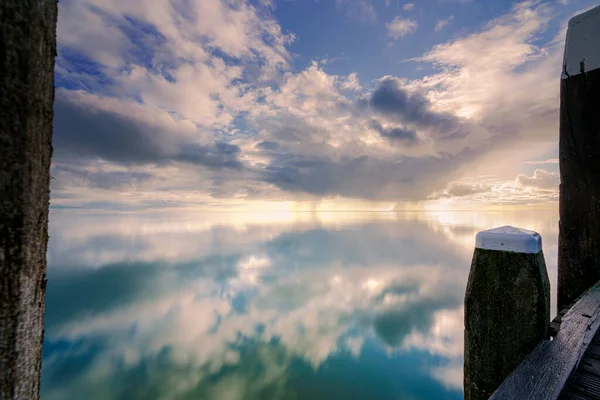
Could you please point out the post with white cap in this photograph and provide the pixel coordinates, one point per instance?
(579, 233)
(507, 307)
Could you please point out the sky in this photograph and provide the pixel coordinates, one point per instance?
(308, 104)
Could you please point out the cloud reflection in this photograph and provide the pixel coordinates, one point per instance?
(185, 307)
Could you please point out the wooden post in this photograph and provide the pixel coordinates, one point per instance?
(27, 52)
(579, 232)
(507, 307)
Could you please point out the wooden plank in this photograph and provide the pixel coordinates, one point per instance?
(555, 324)
(591, 365)
(576, 396)
(554, 328)
(547, 371)
(586, 383)
(586, 380)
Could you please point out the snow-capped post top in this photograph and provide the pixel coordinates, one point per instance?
(582, 46)
(508, 238)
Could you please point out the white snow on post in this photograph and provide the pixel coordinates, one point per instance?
(508, 238)
(582, 51)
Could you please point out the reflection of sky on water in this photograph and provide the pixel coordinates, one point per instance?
(318, 306)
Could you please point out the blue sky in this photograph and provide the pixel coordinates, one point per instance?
(308, 104)
(360, 43)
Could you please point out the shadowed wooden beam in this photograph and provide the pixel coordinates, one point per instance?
(27, 53)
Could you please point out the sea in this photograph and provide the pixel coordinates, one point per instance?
(181, 304)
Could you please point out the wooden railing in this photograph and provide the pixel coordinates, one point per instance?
(547, 371)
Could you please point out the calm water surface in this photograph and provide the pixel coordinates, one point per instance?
(274, 306)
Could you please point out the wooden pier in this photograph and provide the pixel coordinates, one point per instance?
(506, 292)
(551, 369)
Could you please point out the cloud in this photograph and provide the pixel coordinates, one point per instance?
(350, 82)
(360, 10)
(391, 98)
(114, 179)
(364, 177)
(511, 96)
(199, 102)
(129, 140)
(181, 57)
(441, 23)
(241, 31)
(541, 179)
(395, 133)
(400, 27)
(478, 85)
(549, 161)
(408, 6)
(460, 189)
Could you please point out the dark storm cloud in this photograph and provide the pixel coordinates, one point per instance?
(392, 100)
(363, 177)
(406, 135)
(218, 156)
(268, 146)
(85, 133)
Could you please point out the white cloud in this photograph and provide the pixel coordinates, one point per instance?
(549, 161)
(292, 132)
(441, 23)
(350, 82)
(180, 74)
(408, 6)
(508, 89)
(400, 27)
(479, 85)
(541, 179)
(460, 189)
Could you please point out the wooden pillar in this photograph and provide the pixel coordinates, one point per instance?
(507, 307)
(27, 52)
(579, 233)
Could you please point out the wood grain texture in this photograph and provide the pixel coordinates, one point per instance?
(27, 54)
(579, 228)
(548, 369)
(585, 383)
(507, 313)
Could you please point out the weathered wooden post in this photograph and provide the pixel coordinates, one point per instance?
(27, 52)
(579, 232)
(507, 307)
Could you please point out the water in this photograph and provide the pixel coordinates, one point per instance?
(275, 306)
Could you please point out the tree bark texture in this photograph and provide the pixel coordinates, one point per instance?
(27, 54)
